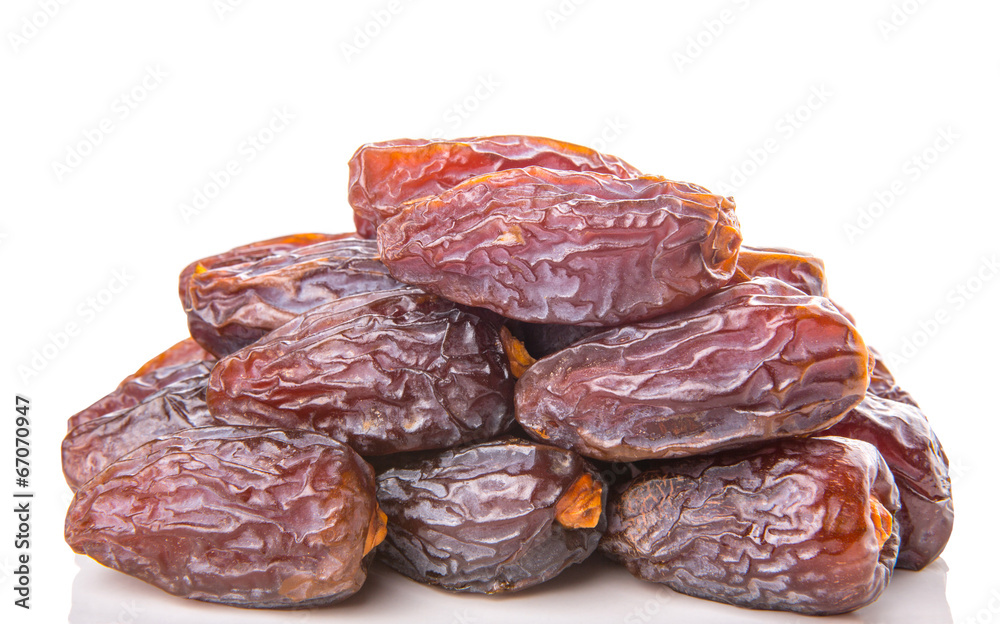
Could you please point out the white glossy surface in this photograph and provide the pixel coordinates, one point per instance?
(920, 273)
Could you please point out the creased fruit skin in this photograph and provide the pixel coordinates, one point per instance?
(386, 174)
(89, 447)
(903, 435)
(250, 252)
(754, 362)
(787, 526)
(136, 390)
(384, 372)
(548, 246)
(795, 268)
(482, 518)
(232, 306)
(243, 516)
(184, 352)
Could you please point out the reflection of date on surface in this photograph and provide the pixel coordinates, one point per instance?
(22, 444)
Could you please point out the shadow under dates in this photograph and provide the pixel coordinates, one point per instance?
(595, 591)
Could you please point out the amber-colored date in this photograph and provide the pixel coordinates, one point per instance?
(90, 446)
(800, 525)
(235, 305)
(243, 516)
(384, 372)
(905, 439)
(795, 268)
(548, 246)
(492, 517)
(384, 175)
(135, 390)
(250, 252)
(756, 361)
(184, 352)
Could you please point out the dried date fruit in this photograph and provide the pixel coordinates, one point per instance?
(491, 517)
(89, 447)
(384, 372)
(548, 246)
(243, 516)
(754, 362)
(184, 352)
(800, 525)
(248, 253)
(919, 465)
(136, 390)
(384, 175)
(232, 306)
(795, 268)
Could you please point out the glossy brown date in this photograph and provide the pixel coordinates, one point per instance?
(384, 175)
(795, 268)
(904, 437)
(184, 352)
(136, 390)
(492, 517)
(548, 246)
(250, 252)
(384, 372)
(754, 362)
(90, 446)
(800, 525)
(242, 516)
(233, 306)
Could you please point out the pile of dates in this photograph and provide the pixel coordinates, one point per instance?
(529, 351)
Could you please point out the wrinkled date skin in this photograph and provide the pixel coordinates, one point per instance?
(753, 362)
(135, 390)
(242, 516)
(795, 268)
(250, 252)
(383, 372)
(384, 175)
(489, 518)
(184, 352)
(548, 246)
(904, 437)
(233, 306)
(798, 525)
(89, 447)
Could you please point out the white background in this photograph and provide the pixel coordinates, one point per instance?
(876, 114)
